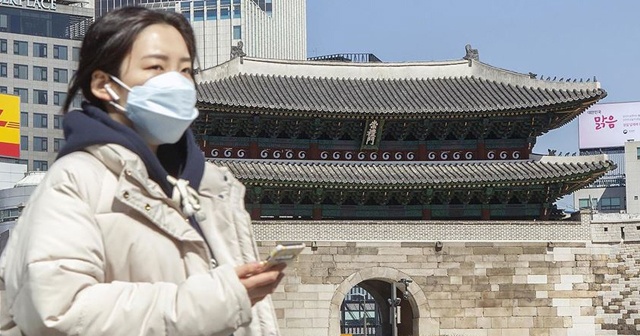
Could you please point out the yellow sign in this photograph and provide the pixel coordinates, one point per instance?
(9, 126)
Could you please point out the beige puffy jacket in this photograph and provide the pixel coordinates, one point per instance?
(100, 250)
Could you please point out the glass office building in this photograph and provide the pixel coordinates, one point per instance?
(39, 50)
(267, 28)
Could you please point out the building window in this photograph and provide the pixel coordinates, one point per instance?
(40, 144)
(22, 93)
(185, 9)
(75, 54)
(20, 71)
(40, 73)
(59, 98)
(3, 46)
(60, 52)
(24, 119)
(268, 7)
(4, 22)
(40, 120)
(237, 32)
(39, 49)
(237, 12)
(57, 144)
(610, 203)
(265, 5)
(3, 89)
(39, 165)
(212, 10)
(60, 75)
(20, 48)
(3, 69)
(224, 13)
(198, 11)
(24, 142)
(40, 97)
(9, 214)
(57, 122)
(638, 153)
(583, 203)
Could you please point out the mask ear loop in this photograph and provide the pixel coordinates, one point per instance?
(115, 79)
(114, 95)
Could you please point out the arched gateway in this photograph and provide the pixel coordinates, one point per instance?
(377, 281)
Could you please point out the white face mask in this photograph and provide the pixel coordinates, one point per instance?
(161, 109)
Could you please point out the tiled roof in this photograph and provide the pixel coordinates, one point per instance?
(386, 89)
(418, 175)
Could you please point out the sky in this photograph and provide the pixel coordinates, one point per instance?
(556, 38)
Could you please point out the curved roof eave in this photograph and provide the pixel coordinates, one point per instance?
(382, 70)
(345, 175)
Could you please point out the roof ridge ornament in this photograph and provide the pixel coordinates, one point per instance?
(236, 51)
(471, 54)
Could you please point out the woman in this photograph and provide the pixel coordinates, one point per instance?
(131, 232)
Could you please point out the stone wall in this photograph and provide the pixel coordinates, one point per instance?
(486, 288)
(618, 288)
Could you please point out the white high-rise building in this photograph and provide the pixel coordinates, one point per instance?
(39, 49)
(265, 28)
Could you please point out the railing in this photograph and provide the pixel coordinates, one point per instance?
(608, 182)
(348, 57)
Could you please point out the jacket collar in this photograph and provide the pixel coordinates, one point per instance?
(151, 204)
(93, 126)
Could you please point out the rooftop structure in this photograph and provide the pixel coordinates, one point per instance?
(421, 140)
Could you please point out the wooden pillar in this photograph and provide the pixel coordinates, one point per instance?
(314, 153)
(256, 212)
(253, 149)
(486, 213)
(422, 152)
(426, 213)
(317, 212)
(482, 150)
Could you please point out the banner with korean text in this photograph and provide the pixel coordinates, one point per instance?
(609, 125)
(9, 126)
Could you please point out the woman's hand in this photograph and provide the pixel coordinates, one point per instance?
(258, 281)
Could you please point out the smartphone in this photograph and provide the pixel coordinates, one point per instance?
(284, 254)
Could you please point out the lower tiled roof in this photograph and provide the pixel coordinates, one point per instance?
(582, 170)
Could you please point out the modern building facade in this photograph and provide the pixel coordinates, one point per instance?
(257, 28)
(612, 129)
(39, 51)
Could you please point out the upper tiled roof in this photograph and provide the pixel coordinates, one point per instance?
(342, 89)
(583, 169)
